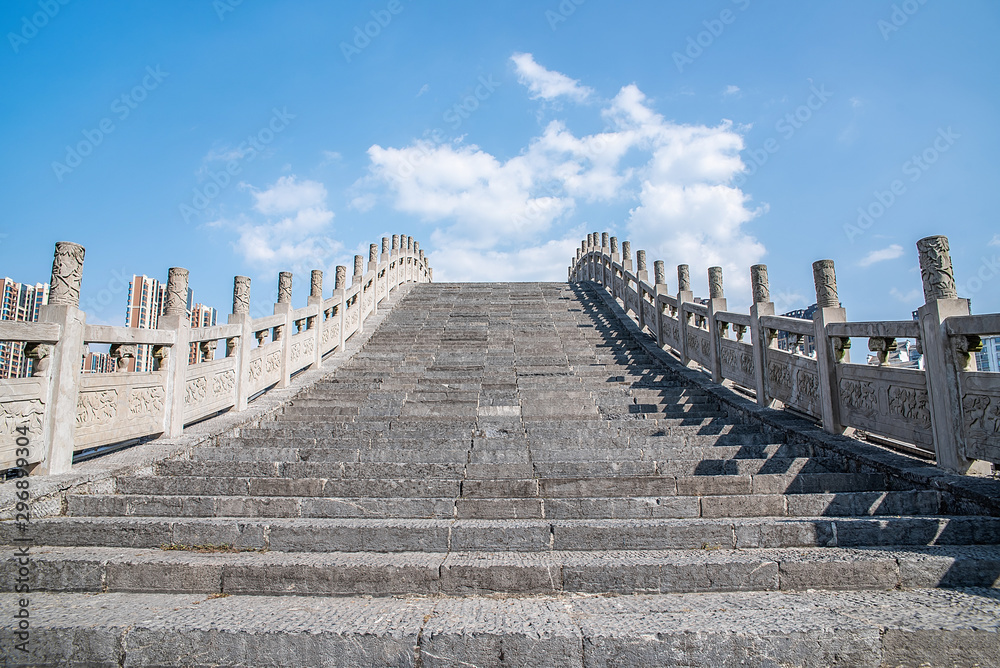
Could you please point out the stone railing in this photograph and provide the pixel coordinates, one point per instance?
(948, 409)
(60, 410)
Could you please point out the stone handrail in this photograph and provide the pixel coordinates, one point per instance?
(948, 410)
(60, 410)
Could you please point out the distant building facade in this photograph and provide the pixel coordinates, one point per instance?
(97, 362)
(21, 302)
(989, 358)
(201, 316)
(145, 305)
(808, 345)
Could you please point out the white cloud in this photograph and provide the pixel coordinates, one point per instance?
(288, 228)
(547, 84)
(423, 89)
(494, 217)
(995, 241)
(731, 90)
(915, 296)
(330, 157)
(888, 253)
(288, 195)
(531, 263)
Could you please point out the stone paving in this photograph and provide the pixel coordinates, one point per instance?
(504, 475)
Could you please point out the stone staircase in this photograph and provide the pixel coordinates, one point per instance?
(505, 476)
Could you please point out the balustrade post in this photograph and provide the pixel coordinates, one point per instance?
(760, 339)
(175, 317)
(373, 267)
(615, 273)
(358, 280)
(241, 348)
(417, 259)
(716, 303)
(660, 280)
(605, 259)
(408, 262)
(640, 275)
(944, 358)
(340, 280)
(626, 269)
(384, 267)
(684, 296)
(316, 324)
(829, 352)
(283, 333)
(63, 383)
(395, 261)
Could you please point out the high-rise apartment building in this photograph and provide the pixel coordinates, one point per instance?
(20, 301)
(97, 362)
(201, 316)
(145, 305)
(989, 358)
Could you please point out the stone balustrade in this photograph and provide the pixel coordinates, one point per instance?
(948, 409)
(64, 410)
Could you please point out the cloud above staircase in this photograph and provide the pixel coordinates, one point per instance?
(520, 217)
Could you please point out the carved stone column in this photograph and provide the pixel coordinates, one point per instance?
(242, 346)
(339, 294)
(716, 303)
(283, 332)
(684, 296)
(285, 287)
(605, 274)
(641, 276)
(944, 358)
(241, 295)
(316, 324)
(176, 318)
(761, 341)
(359, 269)
(660, 288)
(829, 351)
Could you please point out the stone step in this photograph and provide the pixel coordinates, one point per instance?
(276, 469)
(423, 535)
(179, 570)
(458, 454)
(917, 502)
(675, 467)
(864, 629)
(622, 486)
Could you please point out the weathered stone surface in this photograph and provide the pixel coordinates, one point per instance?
(490, 460)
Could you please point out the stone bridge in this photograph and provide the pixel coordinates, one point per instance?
(594, 473)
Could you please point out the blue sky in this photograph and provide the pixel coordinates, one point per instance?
(251, 137)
